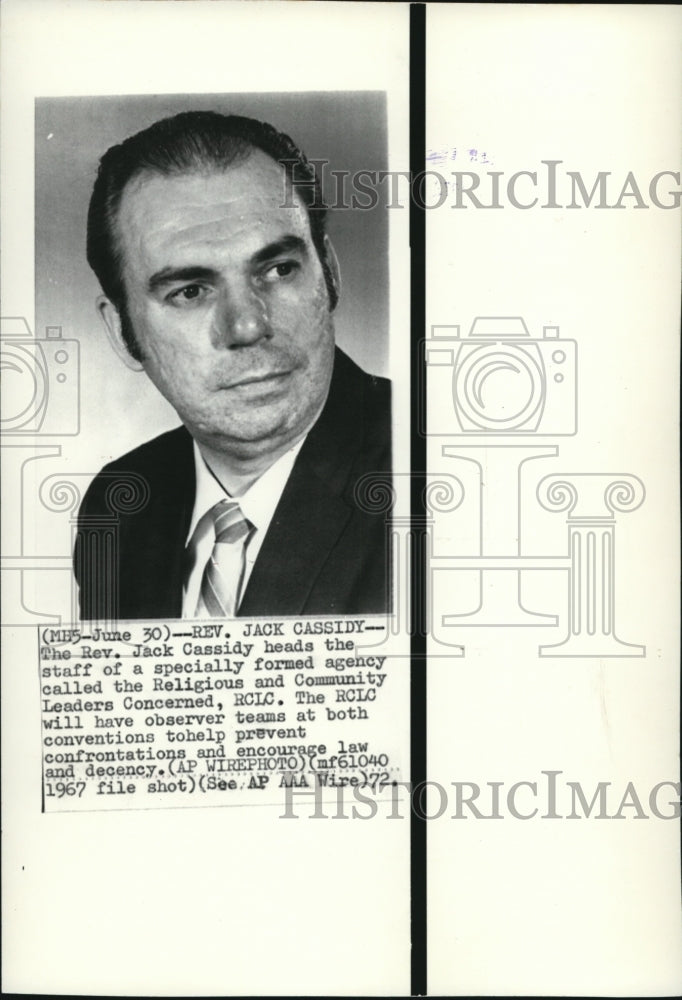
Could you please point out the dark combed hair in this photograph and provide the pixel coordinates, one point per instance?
(190, 141)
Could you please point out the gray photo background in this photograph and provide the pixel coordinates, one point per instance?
(120, 408)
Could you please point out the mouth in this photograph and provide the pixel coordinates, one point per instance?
(267, 379)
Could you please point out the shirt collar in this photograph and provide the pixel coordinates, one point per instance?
(257, 504)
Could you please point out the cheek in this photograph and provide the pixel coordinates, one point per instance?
(319, 299)
(167, 361)
(172, 364)
(171, 342)
(305, 315)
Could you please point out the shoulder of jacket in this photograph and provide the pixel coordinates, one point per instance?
(134, 470)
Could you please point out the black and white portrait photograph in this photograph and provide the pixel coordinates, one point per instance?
(218, 273)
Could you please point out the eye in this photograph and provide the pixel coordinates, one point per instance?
(187, 294)
(280, 271)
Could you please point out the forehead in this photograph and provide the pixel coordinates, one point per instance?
(245, 203)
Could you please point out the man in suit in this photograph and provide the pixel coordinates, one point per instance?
(207, 234)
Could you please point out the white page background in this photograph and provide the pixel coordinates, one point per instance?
(561, 907)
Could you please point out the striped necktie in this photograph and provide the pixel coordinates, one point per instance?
(224, 570)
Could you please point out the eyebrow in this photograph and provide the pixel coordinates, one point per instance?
(169, 275)
(287, 244)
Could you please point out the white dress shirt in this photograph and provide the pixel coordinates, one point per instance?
(257, 504)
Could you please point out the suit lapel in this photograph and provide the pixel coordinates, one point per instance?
(158, 539)
(306, 526)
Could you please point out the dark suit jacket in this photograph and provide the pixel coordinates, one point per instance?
(324, 553)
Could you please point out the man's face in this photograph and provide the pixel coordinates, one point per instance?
(227, 298)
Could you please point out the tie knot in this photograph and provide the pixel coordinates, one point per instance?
(229, 522)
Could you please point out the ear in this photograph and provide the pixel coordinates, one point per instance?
(332, 262)
(112, 323)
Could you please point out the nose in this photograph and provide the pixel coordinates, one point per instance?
(240, 319)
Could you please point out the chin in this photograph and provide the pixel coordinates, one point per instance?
(265, 427)
(256, 435)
